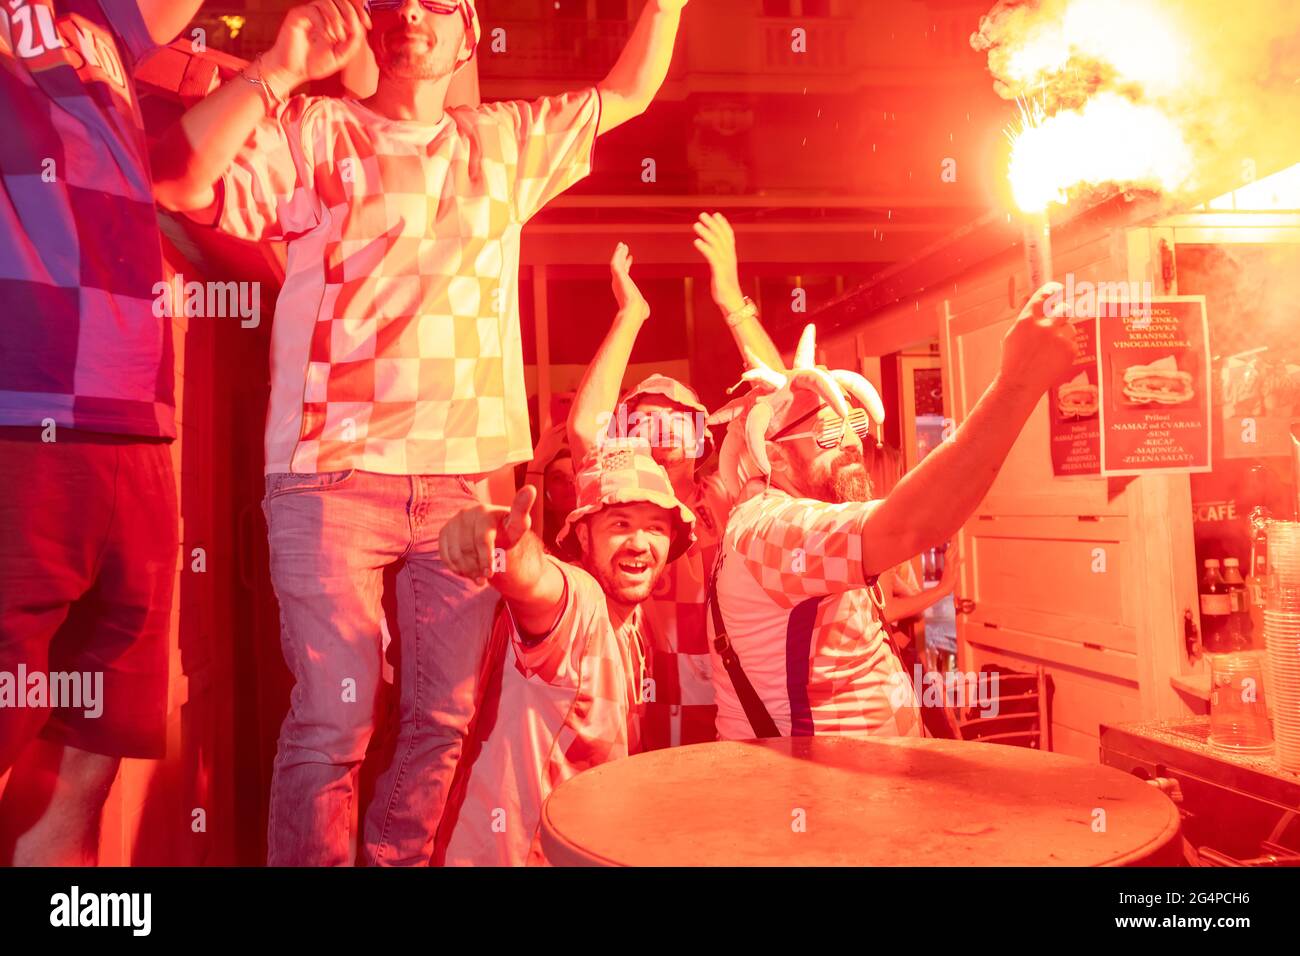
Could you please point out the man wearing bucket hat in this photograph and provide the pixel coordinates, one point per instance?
(397, 367)
(798, 644)
(669, 414)
(565, 673)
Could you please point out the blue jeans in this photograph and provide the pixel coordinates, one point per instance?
(332, 537)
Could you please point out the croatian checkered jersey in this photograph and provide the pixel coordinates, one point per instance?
(680, 708)
(794, 599)
(396, 346)
(81, 344)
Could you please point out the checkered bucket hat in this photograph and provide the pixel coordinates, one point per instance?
(671, 389)
(679, 394)
(624, 472)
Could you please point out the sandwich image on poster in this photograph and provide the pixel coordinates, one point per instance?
(1154, 400)
(1077, 398)
(1161, 382)
(1073, 408)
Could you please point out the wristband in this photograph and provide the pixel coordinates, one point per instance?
(269, 96)
(747, 311)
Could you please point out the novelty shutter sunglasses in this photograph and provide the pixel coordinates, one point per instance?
(830, 432)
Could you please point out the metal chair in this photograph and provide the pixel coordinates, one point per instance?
(1018, 706)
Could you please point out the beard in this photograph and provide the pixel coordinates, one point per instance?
(623, 592)
(413, 60)
(622, 588)
(845, 480)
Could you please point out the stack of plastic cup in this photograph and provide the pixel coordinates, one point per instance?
(1282, 638)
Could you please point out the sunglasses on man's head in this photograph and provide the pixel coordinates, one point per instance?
(829, 432)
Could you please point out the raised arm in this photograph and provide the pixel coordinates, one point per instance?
(936, 498)
(597, 395)
(315, 41)
(167, 18)
(529, 581)
(716, 241)
(549, 444)
(631, 86)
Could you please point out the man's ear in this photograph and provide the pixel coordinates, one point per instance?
(583, 530)
(466, 46)
(776, 458)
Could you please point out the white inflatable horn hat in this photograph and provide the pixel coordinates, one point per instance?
(751, 417)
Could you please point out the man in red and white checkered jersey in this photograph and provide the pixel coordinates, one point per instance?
(669, 415)
(566, 673)
(804, 545)
(397, 368)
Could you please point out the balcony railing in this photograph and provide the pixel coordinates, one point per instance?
(824, 45)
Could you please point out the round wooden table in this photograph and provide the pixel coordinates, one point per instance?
(837, 801)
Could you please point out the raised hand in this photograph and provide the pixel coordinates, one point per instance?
(717, 243)
(469, 541)
(1038, 350)
(316, 40)
(548, 445)
(629, 297)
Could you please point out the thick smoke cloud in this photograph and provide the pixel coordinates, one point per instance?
(1227, 73)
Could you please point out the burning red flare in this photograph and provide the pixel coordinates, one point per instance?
(1154, 94)
(1109, 140)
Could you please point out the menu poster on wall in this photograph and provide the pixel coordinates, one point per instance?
(1154, 377)
(1073, 422)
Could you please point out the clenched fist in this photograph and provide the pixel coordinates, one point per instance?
(469, 541)
(1038, 350)
(316, 40)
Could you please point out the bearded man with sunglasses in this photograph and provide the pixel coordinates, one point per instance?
(397, 368)
(799, 647)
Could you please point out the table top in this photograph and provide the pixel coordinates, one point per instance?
(839, 801)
